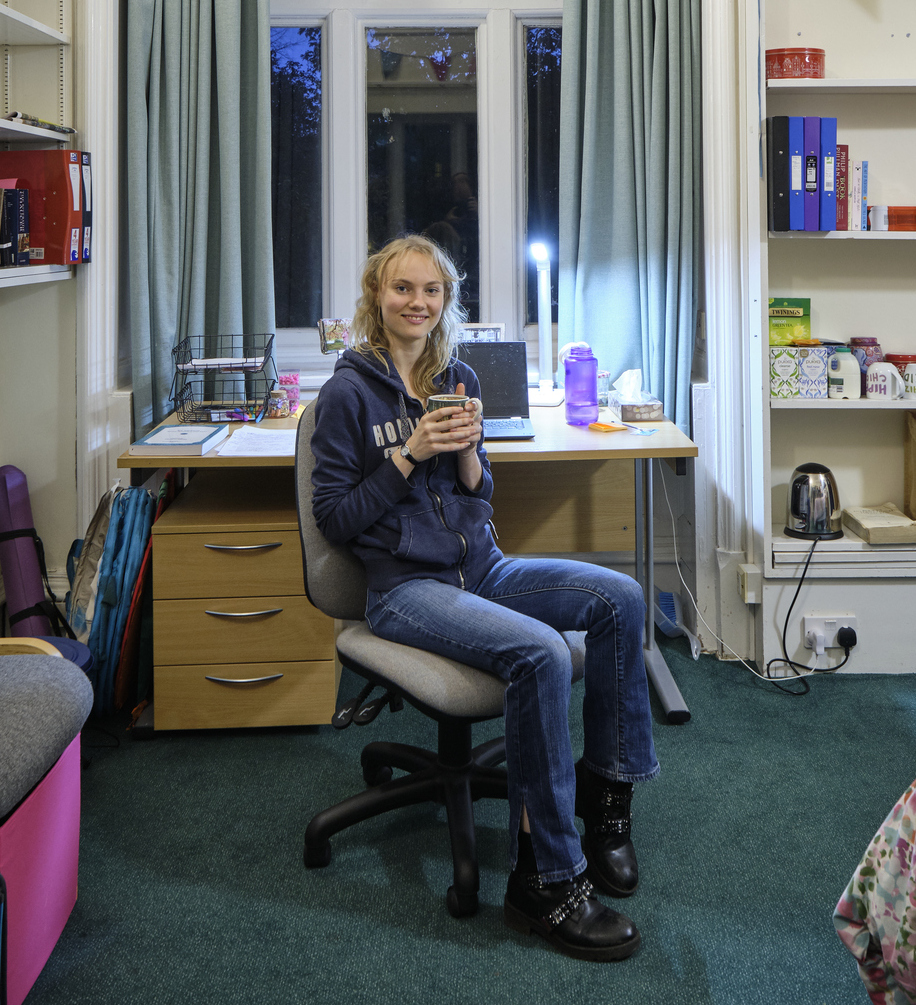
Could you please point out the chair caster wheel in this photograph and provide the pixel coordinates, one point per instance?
(460, 905)
(376, 774)
(316, 855)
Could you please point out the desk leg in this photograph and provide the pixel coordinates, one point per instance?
(670, 696)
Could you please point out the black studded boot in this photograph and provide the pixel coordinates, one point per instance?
(569, 916)
(604, 807)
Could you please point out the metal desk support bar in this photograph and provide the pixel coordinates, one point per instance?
(668, 693)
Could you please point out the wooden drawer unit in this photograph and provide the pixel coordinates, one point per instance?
(236, 642)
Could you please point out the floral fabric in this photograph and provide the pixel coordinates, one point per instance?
(876, 916)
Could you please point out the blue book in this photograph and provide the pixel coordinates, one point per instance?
(863, 209)
(186, 439)
(827, 175)
(796, 173)
(812, 158)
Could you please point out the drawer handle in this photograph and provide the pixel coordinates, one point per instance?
(244, 614)
(245, 547)
(245, 680)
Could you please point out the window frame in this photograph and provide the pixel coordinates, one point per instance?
(501, 157)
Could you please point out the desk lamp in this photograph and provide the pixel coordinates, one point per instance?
(546, 393)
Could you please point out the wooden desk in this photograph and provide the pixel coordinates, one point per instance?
(569, 490)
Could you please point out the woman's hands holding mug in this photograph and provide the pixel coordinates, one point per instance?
(447, 428)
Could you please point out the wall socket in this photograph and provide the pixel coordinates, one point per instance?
(828, 625)
(750, 583)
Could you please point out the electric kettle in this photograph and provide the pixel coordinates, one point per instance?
(813, 506)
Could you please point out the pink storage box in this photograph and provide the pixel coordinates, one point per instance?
(39, 850)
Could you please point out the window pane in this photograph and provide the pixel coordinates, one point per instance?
(295, 63)
(421, 125)
(542, 52)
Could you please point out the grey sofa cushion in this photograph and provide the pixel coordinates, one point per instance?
(44, 701)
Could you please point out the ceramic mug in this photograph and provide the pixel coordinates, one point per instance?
(909, 381)
(883, 382)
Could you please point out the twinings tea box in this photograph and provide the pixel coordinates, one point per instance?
(783, 372)
(790, 319)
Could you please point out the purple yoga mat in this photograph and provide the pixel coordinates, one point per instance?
(18, 557)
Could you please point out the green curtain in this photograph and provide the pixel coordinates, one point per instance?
(197, 158)
(630, 189)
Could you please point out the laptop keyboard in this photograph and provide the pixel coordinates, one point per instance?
(501, 425)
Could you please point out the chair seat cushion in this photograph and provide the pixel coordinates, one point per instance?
(440, 684)
(44, 701)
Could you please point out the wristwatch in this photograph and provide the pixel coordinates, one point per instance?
(405, 452)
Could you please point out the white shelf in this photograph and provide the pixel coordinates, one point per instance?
(857, 404)
(843, 235)
(847, 557)
(12, 132)
(26, 275)
(830, 85)
(19, 29)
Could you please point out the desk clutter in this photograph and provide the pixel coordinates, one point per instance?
(224, 378)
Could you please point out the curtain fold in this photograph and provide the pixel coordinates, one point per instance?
(197, 163)
(630, 189)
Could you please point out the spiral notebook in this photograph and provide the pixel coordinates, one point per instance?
(502, 369)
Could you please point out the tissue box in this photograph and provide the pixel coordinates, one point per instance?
(634, 411)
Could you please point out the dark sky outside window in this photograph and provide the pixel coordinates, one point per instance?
(421, 129)
(295, 60)
(542, 79)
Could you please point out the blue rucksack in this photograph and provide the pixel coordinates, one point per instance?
(103, 569)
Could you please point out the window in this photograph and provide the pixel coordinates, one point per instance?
(542, 91)
(421, 138)
(427, 124)
(295, 101)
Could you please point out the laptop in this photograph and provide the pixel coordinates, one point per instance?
(502, 369)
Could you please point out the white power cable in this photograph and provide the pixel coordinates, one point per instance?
(677, 566)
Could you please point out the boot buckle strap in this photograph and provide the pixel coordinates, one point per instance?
(582, 892)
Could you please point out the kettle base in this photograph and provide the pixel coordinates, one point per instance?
(813, 535)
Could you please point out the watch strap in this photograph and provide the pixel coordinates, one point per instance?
(408, 455)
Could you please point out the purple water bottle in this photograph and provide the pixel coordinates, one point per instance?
(581, 369)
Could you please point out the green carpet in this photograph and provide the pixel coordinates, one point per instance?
(192, 888)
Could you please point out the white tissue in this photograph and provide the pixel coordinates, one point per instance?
(629, 387)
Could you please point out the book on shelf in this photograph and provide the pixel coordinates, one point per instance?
(883, 524)
(55, 202)
(778, 172)
(86, 202)
(33, 120)
(863, 207)
(190, 440)
(812, 158)
(14, 246)
(855, 195)
(842, 187)
(796, 172)
(826, 189)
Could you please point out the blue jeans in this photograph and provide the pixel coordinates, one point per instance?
(509, 626)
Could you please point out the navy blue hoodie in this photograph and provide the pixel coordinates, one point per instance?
(428, 526)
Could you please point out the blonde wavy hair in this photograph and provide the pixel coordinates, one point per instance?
(368, 329)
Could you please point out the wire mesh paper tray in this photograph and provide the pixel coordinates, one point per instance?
(224, 354)
(207, 398)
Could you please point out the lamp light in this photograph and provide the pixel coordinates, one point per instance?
(546, 392)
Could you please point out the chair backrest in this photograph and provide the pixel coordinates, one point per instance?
(335, 581)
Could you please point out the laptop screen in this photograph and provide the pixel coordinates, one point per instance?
(502, 369)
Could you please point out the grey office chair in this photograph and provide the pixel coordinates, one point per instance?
(454, 695)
